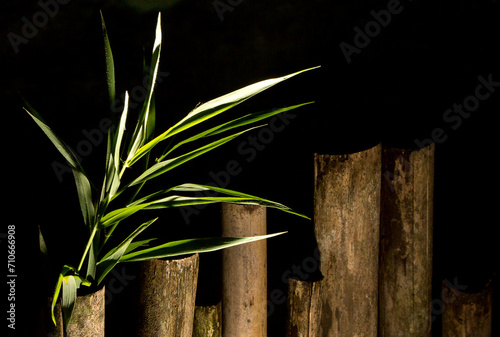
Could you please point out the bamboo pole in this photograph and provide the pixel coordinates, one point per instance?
(406, 232)
(88, 316)
(467, 314)
(347, 219)
(304, 308)
(87, 319)
(244, 273)
(167, 297)
(208, 321)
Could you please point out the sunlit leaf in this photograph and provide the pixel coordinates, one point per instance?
(165, 166)
(57, 290)
(239, 122)
(109, 261)
(144, 126)
(227, 195)
(137, 244)
(190, 246)
(210, 109)
(69, 289)
(104, 214)
(120, 132)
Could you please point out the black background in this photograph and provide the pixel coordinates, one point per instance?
(395, 90)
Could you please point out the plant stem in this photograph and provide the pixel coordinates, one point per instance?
(89, 243)
(108, 234)
(122, 170)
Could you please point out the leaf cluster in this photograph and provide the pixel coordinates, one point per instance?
(100, 214)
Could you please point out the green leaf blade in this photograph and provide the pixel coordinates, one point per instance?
(69, 288)
(120, 214)
(189, 187)
(191, 246)
(58, 143)
(57, 290)
(82, 183)
(84, 191)
(165, 166)
(146, 120)
(210, 109)
(110, 64)
(239, 122)
(111, 259)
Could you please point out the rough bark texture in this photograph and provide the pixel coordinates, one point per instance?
(347, 222)
(167, 297)
(208, 321)
(406, 228)
(467, 314)
(87, 319)
(304, 308)
(244, 274)
(88, 316)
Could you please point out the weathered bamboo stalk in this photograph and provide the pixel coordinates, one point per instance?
(244, 273)
(347, 222)
(87, 319)
(208, 321)
(304, 308)
(467, 314)
(167, 297)
(406, 232)
(88, 316)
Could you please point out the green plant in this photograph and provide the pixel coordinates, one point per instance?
(102, 216)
